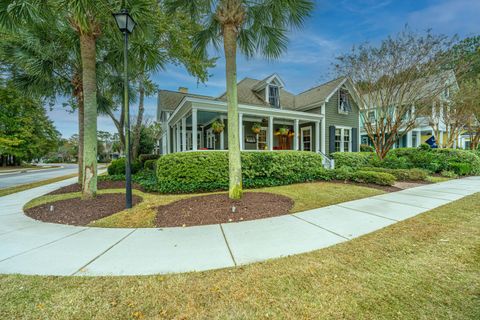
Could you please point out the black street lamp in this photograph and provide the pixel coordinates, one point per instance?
(126, 24)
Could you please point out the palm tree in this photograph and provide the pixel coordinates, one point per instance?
(46, 59)
(252, 26)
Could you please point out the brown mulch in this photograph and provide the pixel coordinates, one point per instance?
(217, 208)
(100, 185)
(79, 212)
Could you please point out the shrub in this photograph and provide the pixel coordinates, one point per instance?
(424, 147)
(380, 178)
(147, 179)
(208, 171)
(144, 157)
(117, 167)
(352, 159)
(460, 168)
(366, 148)
(150, 165)
(401, 174)
(448, 174)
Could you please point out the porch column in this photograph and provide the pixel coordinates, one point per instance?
(322, 141)
(177, 132)
(167, 147)
(222, 136)
(295, 135)
(194, 130)
(419, 138)
(270, 133)
(240, 130)
(409, 139)
(317, 136)
(184, 134)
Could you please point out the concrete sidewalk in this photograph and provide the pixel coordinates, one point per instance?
(28, 246)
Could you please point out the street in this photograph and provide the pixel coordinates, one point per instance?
(8, 180)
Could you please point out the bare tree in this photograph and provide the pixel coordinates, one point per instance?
(467, 101)
(396, 82)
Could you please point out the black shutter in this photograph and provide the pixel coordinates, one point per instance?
(331, 144)
(354, 139)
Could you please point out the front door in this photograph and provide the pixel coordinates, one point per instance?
(306, 138)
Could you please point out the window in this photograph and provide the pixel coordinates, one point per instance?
(274, 96)
(371, 116)
(344, 102)
(306, 136)
(343, 139)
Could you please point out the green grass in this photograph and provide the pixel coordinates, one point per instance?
(437, 179)
(426, 267)
(306, 196)
(7, 191)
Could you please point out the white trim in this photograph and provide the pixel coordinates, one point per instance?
(335, 90)
(270, 133)
(322, 141)
(184, 134)
(295, 134)
(194, 130)
(213, 105)
(317, 136)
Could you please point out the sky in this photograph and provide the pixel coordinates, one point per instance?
(334, 27)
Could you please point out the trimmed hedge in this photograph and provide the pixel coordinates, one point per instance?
(353, 159)
(462, 162)
(380, 178)
(401, 174)
(117, 167)
(208, 170)
(145, 157)
(150, 165)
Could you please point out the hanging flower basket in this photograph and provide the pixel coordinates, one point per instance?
(283, 131)
(256, 127)
(217, 126)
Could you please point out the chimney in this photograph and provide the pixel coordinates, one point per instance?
(183, 89)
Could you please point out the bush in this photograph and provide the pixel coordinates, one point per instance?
(150, 165)
(366, 148)
(448, 174)
(353, 159)
(145, 157)
(380, 178)
(424, 147)
(401, 174)
(208, 171)
(117, 167)
(434, 160)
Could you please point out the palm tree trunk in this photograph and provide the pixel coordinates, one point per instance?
(81, 121)
(138, 126)
(87, 51)
(235, 190)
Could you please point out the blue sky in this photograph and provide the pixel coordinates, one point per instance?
(334, 27)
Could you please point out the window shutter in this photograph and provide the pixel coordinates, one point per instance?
(354, 139)
(331, 145)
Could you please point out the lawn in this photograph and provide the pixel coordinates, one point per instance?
(306, 196)
(426, 267)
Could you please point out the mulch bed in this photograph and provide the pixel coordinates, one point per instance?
(100, 185)
(217, 208)
(79, 212)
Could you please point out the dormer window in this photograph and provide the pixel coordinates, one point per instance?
(274, 96)
(344, 105)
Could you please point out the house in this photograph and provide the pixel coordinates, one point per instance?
(322, 119)
(425, 123)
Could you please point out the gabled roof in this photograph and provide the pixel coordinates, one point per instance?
(251, 92)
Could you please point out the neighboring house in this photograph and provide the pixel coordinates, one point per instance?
(424, 129)
(323, 119)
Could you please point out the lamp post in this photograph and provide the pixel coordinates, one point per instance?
(126, 24)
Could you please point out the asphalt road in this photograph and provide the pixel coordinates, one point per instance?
(8, 180)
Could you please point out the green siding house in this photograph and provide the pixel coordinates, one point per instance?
(322, 119)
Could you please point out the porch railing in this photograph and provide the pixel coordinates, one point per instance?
(327, 162)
